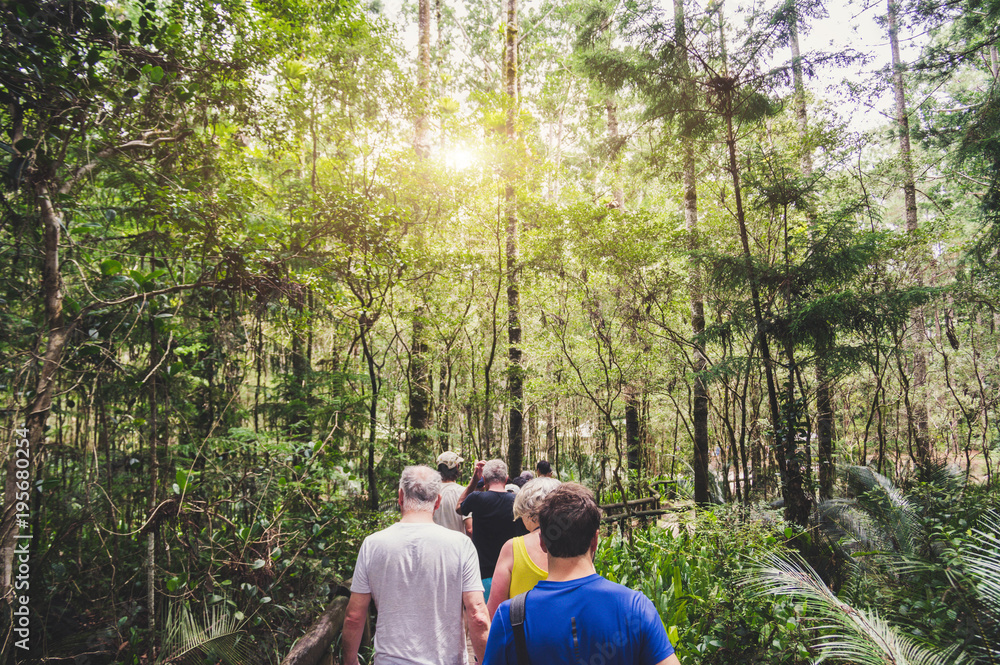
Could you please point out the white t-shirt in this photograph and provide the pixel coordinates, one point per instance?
(416, 574)
(446, 515)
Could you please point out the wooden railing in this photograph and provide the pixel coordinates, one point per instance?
(644, 507)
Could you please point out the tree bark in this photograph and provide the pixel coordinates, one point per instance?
(633, 428)
(422, 138)
(57, 334)
(797, 504)
(311, 647)
(515, 371)
(917, 415)
(824, 386)
(420, 391)
(699, 402)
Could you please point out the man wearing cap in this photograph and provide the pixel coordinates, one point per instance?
(449, 465)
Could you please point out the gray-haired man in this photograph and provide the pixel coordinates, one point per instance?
(492, 514)
(420, 576)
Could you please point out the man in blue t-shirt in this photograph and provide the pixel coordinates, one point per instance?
(576, 616)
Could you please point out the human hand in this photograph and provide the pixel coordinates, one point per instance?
(478, 472)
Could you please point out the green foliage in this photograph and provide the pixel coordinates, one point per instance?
(918, 570)
(218, 635)
(693, 579)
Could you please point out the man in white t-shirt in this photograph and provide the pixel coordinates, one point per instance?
(420, 576)
(450, 467)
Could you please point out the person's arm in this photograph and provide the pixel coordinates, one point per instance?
(354, 625)
(671, 660)
(477, 620)
(500, 587)
(468, 526)
(477, 475)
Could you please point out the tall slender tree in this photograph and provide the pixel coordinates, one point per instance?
(515, 370)
(420, 381)
(916, 400)
(688, 122)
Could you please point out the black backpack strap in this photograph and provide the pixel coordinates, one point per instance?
(517, 623)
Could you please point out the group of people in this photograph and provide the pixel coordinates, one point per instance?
(455, 560)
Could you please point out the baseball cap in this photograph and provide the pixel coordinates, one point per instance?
(449, 459)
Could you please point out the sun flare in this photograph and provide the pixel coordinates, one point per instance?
(460, 159)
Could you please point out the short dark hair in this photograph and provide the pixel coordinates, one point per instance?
(543, 467)
(449, 473)
(569, 517)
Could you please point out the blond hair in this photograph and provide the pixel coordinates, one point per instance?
(529, 498)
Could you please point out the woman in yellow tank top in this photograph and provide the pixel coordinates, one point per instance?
(522, 564)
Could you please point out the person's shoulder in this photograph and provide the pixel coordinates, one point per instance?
(502, 614)
(445, 537)
(600, 584)
(381, 534)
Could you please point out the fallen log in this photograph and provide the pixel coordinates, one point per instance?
(312, 647)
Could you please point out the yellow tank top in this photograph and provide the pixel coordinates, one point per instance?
(525, 574)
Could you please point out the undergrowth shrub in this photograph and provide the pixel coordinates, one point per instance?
(693, 574)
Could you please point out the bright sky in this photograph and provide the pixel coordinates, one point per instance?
(854, 24)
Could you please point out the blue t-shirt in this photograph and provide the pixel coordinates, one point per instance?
(582, 622)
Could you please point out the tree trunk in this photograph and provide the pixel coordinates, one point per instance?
(797, 506)
(57, 333)
(421, 413)
(916, 415)
(824, 386)
(373, 498)
(420, 381)
(422, 138)
(699, 402)
(515, 373)
(633, 428)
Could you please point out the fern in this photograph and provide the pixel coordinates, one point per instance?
(218, 636)
(847, 634)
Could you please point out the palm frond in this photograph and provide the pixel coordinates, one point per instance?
(983, 560)
(218, 635)
(846, 633)
(888, 506)
(944, 478)
(843, 522)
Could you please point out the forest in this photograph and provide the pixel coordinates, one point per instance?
(256, 256)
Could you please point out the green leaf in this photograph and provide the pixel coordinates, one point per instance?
(110, 267)
(182, 479)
